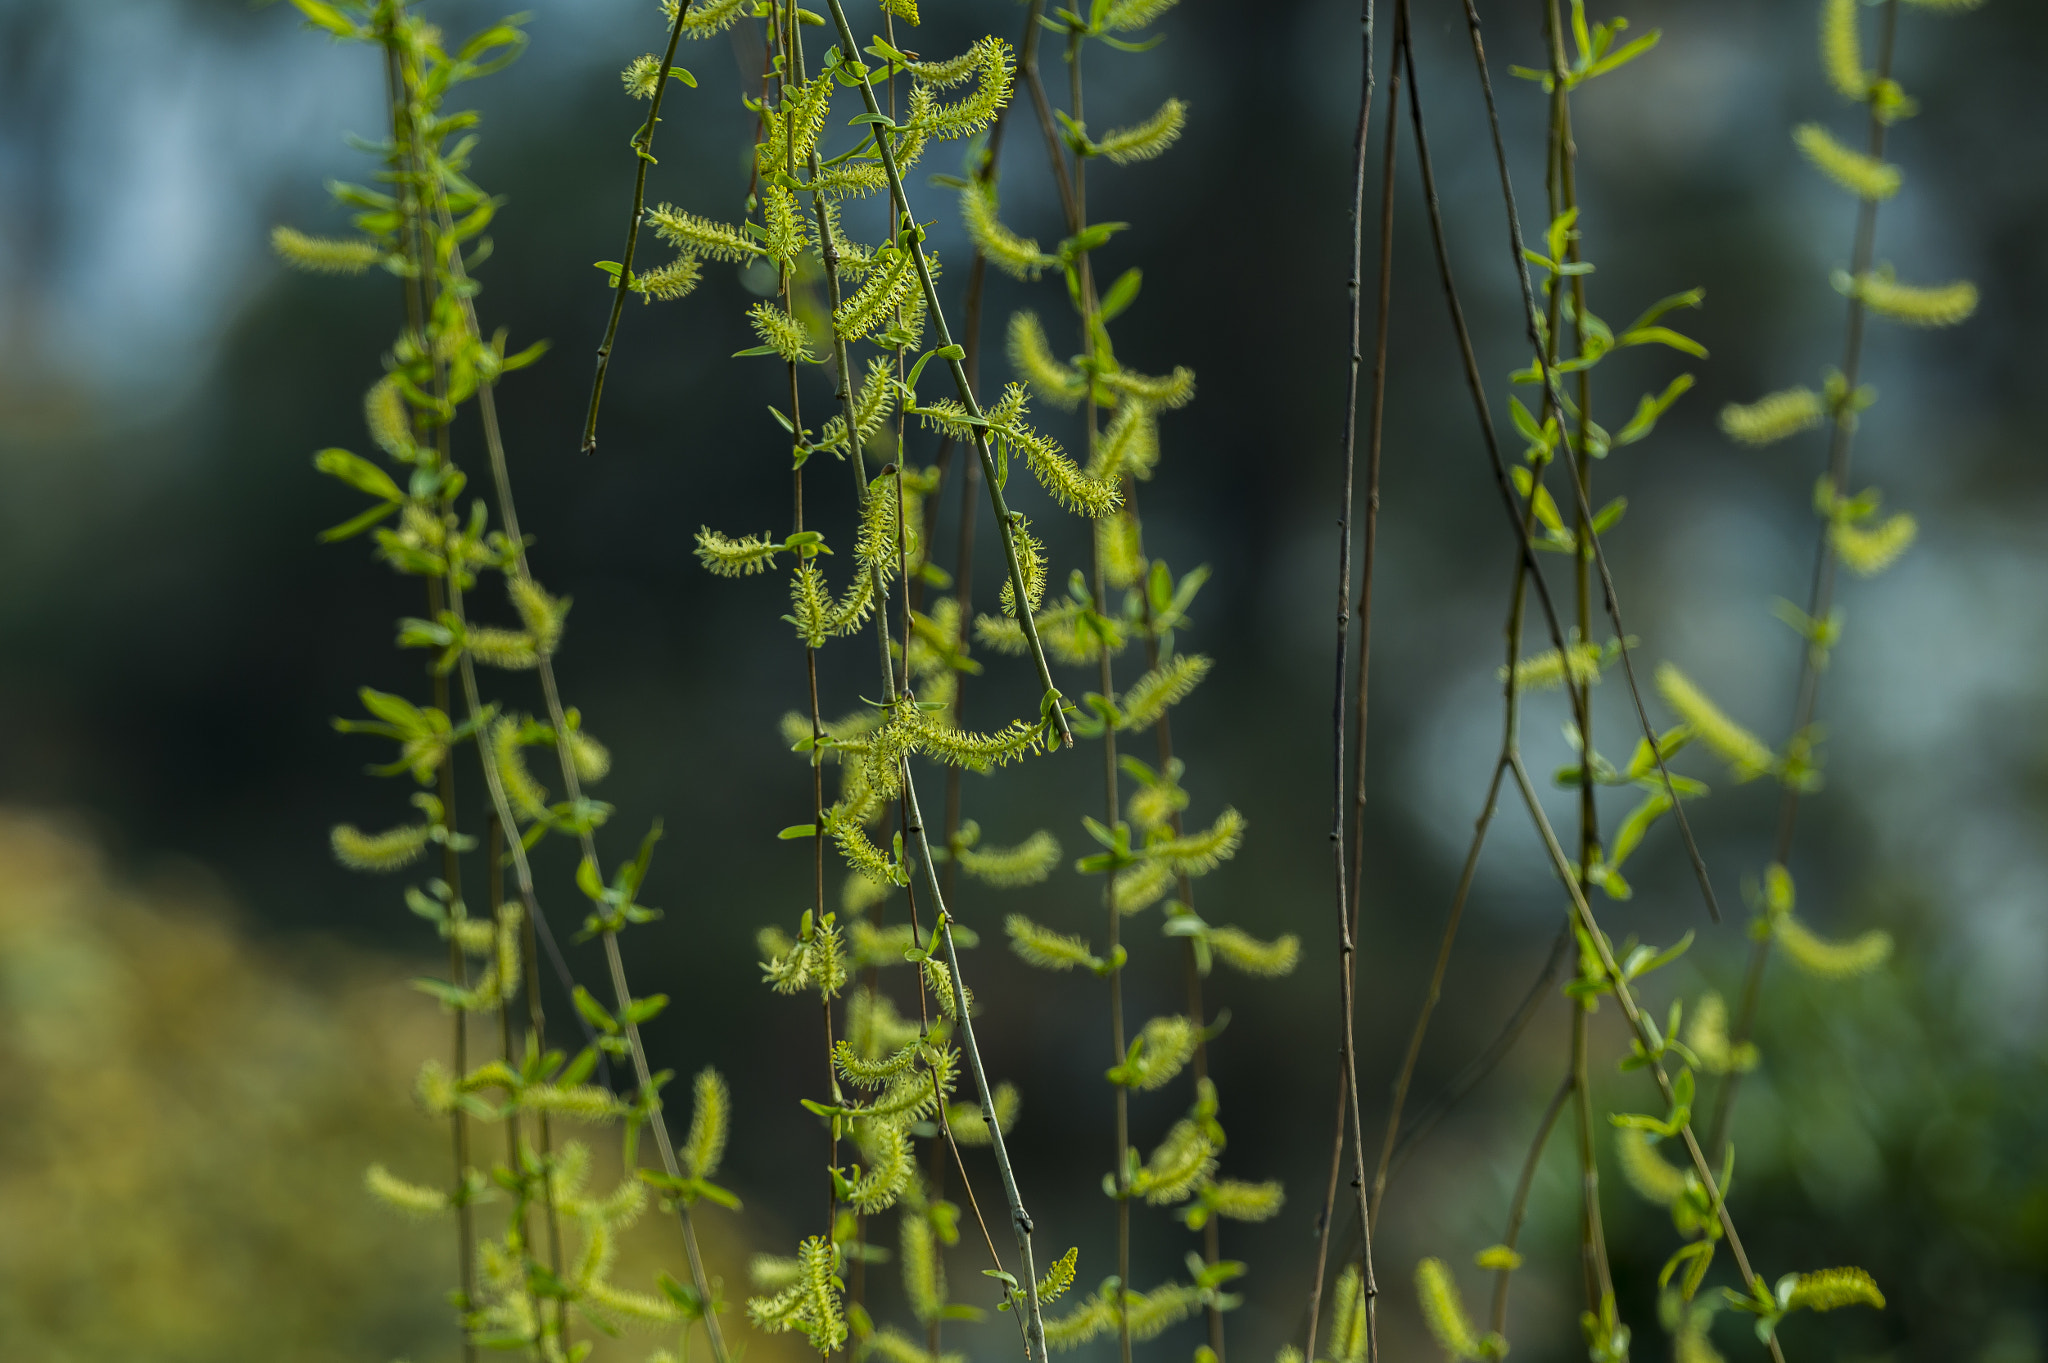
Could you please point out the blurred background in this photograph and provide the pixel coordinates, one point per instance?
(205, 1031)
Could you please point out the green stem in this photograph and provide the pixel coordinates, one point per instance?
(1112, 796)
(494, 863)
(828, 249)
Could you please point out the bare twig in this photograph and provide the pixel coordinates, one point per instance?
(1519, 1207)
(1347, 970)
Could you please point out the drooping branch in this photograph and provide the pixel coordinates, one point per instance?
(643, 153)
(1348, 1106)
(1820, 596)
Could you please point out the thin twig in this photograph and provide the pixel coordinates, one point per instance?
(924, 1019)
(643, 153)
(1347, 966)
(1020, 1220)
(1518, 1208)
(1526, 571)
(1406, 1074)
(1481, 1065)
(1372, 508)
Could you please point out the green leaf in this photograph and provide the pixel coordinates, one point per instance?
(1691, 298)
(1662, 958)
(356, 525)
(578, 1069)
(647, 1009)
(322, 15)
(588, 880)
(1090, 238)
(798, 830)
(1630, 835)
(593, 1012)
(359, 473)
(1121, 294)
(1607, 517)
(711, 1192)
(1663, 336)
(523, 358)
(1650, 408)
(447, 993)
(1624, 56)
(1543, 437)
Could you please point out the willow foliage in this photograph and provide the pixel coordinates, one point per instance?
(855, 343)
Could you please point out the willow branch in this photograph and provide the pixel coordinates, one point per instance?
(1550, 382)
(1645, 1033)
(1020, 1219)
(1518, 1208)
(1005, 518)
(522, 875)
(1347, 967)
(1820, 598)
(404, 165)
(494, 446)
(643, 152)
(1406, 1075)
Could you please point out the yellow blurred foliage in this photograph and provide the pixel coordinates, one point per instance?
(185, 1118)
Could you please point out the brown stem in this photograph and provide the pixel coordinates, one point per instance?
(1519, 1207)
(1375, 432)
(1562, 183)
(1347, 969)
(643, 155)
(1406, 1075)
(1414, 1133)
